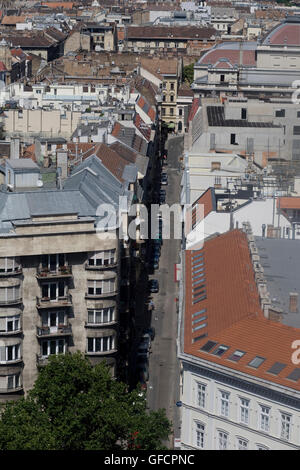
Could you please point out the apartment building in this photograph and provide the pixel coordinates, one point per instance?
(60, 270)
(217, 127)
(40, 122)
(239, 385)
(167, 77)
(153, 39)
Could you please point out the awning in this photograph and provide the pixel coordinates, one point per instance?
(171, 125)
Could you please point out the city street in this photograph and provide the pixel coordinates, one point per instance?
(163, 385)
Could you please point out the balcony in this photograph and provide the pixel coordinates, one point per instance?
(60, 330)
(103, 295)
(13, 272)
(62, 271)
(101, 353)
(46, 302)
(11, 390)
(16, 301)
(42, 361)
(101, 267)
(11, 332)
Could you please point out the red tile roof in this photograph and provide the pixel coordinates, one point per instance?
(233, 56)
(194, 109)
(64, 5)
(288, 202)
(284, 34)
(232, 309)
(144, 128)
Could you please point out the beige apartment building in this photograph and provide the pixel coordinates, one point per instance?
(59, 275)
(40, 122)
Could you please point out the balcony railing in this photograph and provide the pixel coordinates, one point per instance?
(11, 332)
(46, 302)
(63, 330)
(11, 390)
(102, 266)
(62, 271)
(102, 295)
(13, 272)
(11, 301)
(43, 360)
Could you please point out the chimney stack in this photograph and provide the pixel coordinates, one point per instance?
(293, 306)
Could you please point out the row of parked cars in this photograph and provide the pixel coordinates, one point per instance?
(143, 354)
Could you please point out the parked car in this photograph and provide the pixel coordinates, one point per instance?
(143, 371)
(164, 179)
(151, 332)
(153, 285)
(143, 350)
(146, 341)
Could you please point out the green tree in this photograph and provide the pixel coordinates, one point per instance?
(188, 73)
(75, 406)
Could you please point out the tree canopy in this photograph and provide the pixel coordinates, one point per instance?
(188, 73)
(76, 406)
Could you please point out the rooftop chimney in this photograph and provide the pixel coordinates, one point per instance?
(293, 306)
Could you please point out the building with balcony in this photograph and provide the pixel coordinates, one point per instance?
(60, 273)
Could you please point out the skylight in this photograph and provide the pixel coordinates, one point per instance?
(199, 313)
(295, 375)
(256, 362)
(208, 346)
(276, 368)
(236, 356)
(221, 350)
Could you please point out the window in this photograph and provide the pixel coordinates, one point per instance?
(222, 440)
(220, 350)
(163, 111)
(261, 447)
(53, 262)
(218, 180)
(232, 139)
(244, 409)
(298, 114)
(53, 290)
(236, 356)
(105, 315)
(201, 392)
(10, 294)
(8, 324)
(242, 444)
(222, 78)
(296, 130)
(256, 362)
(164, 97)
(285, 426)
(106, 343)
(9, 265)
(85, 89)
(180, 112)
(53, 319)
(101, 287)
(264, 418)
(172, 98)
(225, 404)
(102, 258)
(200, 435)
(57, 346)
(244, 113)
(172, 111)
(172, 86)
(9, 382)
(280, 113)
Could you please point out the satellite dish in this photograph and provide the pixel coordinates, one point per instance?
(39, 183)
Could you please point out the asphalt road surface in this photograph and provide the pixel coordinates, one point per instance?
(163, 385)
